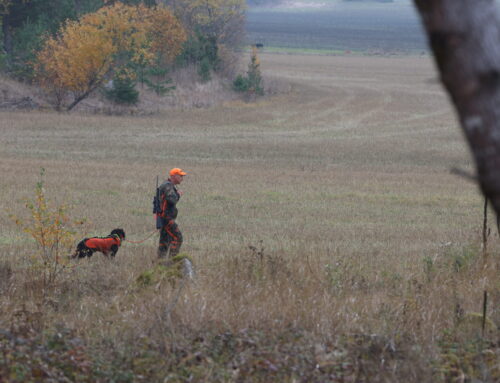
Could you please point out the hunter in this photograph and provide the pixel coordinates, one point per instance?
(170, 235)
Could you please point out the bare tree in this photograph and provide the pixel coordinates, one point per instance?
(465, 38)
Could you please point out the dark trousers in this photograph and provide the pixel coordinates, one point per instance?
(170, 238)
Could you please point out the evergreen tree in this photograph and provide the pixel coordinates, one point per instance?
(254, 76)
(25, 22)
(252, 83)
(123, 90)
(158, 80)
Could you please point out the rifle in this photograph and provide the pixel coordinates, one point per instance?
(157, 207)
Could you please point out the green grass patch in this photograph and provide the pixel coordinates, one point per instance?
(310, 51)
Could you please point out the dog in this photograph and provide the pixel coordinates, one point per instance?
(107, 245)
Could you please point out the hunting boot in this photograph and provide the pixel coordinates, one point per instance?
(162, 252)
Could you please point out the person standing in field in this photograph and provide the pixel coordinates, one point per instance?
(170, 235)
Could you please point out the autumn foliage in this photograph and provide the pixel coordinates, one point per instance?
(216, 30)
(87, 52)
(53, 231)
(217, 18)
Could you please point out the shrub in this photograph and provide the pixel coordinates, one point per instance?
(204, 70)
(3, 60)
(240, 84)
(201, 51)
(155, 77)
(5, 275)
(252, 83)
(469, 360)
(123, 89)
(86, 52)
(31, 356)
(25, 43)
(52, 231)
(171, 271)
(253, 74)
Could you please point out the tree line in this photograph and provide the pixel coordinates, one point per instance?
(72, 47)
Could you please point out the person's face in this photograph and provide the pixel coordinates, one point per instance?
(177, 179)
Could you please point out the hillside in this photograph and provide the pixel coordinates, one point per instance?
(189, 93)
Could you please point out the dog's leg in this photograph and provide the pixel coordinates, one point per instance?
(114, 250)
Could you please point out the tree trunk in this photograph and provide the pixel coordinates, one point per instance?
(78, 6)
(7, 34)
(77, 100)
(465, 38)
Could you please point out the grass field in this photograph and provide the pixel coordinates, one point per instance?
(366, 261)
(357, 27)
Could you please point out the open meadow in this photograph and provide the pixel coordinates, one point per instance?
(330, 240)
(337, 26)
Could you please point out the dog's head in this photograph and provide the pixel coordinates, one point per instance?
(118, 232)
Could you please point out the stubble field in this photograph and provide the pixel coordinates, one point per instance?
(366, 250)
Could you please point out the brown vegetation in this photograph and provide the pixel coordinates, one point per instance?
(330, 240)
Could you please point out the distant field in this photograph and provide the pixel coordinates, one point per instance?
(329, 236)
(358, 26)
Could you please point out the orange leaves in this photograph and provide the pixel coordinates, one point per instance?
(86, 52)
(166, 34)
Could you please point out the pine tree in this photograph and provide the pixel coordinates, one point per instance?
(123, 90)
(254, 77)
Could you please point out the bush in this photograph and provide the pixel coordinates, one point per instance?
(204, 69)
(3, 61)
(253, 75)
(79, 59)
(32, 356)
(157, 79)
(53, 232)
(25, 43)
(252, 83)
(123, 90)
(201, 51)
(240, 84)
(171, 271)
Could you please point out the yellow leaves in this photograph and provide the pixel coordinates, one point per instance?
(123, 26)
(77, 59)
(255, 58)
(166, 34)
(50, 227)
(213, 16)
(87, 51)
(52, 230)
(126, 73)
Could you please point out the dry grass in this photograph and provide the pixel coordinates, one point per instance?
(189, 93)
(341, 186)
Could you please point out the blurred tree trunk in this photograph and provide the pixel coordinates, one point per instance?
(465, 38)
(6, 33)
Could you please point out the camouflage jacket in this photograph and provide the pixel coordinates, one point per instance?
(169, 196)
